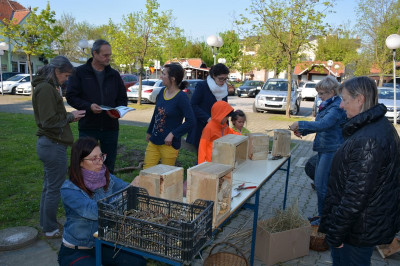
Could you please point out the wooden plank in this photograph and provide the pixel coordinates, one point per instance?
(389, 249)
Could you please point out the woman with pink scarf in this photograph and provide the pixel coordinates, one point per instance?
(89, 181)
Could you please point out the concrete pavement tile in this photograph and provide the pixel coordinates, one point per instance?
(39, 253)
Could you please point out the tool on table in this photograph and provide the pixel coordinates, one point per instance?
(241, 187)
(236, 191)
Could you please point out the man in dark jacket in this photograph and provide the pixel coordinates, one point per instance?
(362, 205)
(92, 85)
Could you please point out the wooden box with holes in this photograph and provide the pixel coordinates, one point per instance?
(211, 181)
(163, 181)
(230, 149)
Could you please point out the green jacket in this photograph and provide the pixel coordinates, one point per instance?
(51, 116)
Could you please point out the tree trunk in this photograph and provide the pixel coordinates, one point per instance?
(139, 101)
(289, 92)
(28, 56)
(380, 83)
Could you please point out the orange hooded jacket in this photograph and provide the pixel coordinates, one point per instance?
(214, 130)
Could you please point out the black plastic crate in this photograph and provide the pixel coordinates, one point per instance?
(178, 231)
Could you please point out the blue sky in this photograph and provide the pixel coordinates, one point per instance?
(198, 19)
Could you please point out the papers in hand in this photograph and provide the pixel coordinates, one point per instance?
(119, 111)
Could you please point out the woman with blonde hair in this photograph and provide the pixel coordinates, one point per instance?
(329, 136)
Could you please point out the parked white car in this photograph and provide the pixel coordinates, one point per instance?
(308, 90)
(25, 88)
(149, 87)
(10, 85)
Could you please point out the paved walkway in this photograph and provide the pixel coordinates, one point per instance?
(44, 252)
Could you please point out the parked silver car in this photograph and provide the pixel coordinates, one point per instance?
(386, 96)
(273, 94)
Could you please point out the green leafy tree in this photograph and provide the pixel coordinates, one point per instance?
(291, 23)
(35, 36)
(377, 19)
(138, 38)
(231, 48)
(339, 46)
(174, 43)
(270, 55)
(67, 43)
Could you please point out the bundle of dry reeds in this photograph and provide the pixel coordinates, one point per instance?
(283, 220)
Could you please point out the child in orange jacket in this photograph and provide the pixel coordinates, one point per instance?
(216, 128)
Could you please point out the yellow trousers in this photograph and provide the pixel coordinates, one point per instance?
(154, 153)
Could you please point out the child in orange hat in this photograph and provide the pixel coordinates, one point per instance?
(216, 128)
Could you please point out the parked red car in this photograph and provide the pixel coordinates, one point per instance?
(129, 80)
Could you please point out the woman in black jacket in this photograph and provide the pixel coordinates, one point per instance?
(362, 205)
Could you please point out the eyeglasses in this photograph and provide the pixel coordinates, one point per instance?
(222, 79)
(101, 158)
(320, 93)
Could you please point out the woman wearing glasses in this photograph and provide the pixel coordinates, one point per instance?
(89, 181)
(205, 95)
(329, 136)
(54, 136)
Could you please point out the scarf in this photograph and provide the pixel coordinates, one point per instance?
(324, 104)
(94, 180)
(219, 92)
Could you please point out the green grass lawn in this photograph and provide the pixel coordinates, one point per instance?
(21, 172)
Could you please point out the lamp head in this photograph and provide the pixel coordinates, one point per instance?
(220, 41)
(393, 41)
(212, 41)
(3, 46)
(330, 63)
(83, 44)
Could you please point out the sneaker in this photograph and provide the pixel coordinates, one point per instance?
(52, 235)
(313, 218)
(316, 222)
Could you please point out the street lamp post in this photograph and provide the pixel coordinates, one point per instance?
(84, 44)
(330, 64)
(222, 60)
(336, 68)
(123, 66)
(393, 43)
(3, 47)
(215, 42)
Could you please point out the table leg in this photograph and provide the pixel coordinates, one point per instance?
(255, 219)
(98, 252)
(287, 183)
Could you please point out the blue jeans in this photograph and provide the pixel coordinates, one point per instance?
(350, 255)
(108, 144)
(321, 178)
(87, 257)
(54, 159)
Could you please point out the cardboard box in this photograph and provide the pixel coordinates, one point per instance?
(282, 246)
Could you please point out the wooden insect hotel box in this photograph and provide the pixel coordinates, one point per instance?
(230, 149)
(258, 146)
(281, 143)
(211, 181)
(163, 181)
